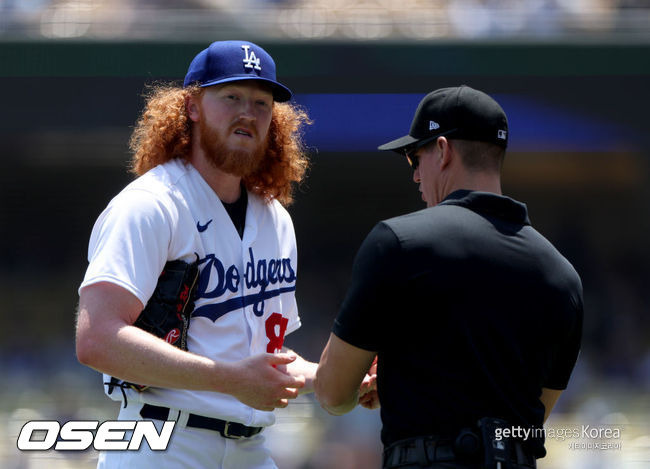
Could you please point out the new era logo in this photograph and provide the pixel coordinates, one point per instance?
(502, 135)
(433, 125)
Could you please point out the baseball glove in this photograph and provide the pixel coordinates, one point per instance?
(167, 313)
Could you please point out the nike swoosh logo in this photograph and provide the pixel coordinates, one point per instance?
(201, 227)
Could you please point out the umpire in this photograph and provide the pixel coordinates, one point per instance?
(475, 318)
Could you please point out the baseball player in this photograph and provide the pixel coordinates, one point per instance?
(216, 159)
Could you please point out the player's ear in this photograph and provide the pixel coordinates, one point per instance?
(192, 106)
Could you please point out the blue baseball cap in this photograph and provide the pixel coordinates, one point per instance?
(227, 61)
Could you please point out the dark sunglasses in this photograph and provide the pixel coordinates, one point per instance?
(409, 152)
(414, 161)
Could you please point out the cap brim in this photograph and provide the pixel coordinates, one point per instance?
(399, 144)
(280, 92)
(405, 141)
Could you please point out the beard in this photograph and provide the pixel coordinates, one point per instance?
(239, 162)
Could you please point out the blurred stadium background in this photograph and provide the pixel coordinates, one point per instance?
(573, 76)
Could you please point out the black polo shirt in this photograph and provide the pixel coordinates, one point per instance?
(471, 311)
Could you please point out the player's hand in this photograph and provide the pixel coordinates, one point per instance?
(370, 400)
(368, 384)
(373, 367)
(368, 396)
(261, 385)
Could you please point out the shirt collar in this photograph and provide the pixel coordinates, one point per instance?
(489, 203)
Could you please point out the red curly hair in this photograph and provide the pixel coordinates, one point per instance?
(163, 132)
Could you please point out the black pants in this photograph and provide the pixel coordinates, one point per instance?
(447, 465)
(439, 453)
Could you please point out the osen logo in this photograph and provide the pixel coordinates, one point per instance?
(43, 435)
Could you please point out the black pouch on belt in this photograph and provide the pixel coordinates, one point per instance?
(497, 452)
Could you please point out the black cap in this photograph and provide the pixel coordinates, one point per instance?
(459, 112)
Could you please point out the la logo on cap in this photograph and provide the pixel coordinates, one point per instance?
(250, 60)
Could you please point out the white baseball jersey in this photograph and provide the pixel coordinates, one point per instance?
(245, 300)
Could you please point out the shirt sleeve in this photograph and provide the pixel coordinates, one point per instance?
(129, 243)
(373, 290)
(565, 358)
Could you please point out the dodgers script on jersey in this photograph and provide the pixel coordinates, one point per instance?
(245, 301)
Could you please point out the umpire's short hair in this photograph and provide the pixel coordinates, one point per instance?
(475, 154)
(479, 156)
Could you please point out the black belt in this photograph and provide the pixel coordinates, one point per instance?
(232, 430)
(423, 451)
